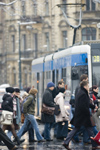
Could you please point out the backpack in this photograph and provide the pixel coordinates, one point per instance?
(7, 103)
(24, 102)
(57, 110)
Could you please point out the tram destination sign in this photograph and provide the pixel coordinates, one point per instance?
(96, 59)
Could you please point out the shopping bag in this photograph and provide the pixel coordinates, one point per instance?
(6, 117)
(97, 138)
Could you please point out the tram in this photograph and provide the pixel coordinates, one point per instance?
(68, 64)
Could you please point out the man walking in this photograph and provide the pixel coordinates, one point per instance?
(82, 115)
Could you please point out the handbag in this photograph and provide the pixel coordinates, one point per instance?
(6, 117)
(57, 110)
(47, 110)
(22, 118)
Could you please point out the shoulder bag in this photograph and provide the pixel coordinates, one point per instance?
(47, 110)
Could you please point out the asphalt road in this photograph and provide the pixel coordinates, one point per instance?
(53, 145)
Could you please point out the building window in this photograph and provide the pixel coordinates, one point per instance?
(64, 39)
(25, 76)
(46, 7)
(47, 41)
(88, 33)
(13, 43)
(14, 76)
(35, 8)
(23, 8)
(90, 5)
(35, 44)
(64, 6)
(24, 42)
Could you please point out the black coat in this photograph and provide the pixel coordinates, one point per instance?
(82, 113)
(7, 103)
(48, 101)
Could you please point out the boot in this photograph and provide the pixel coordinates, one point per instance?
(20, 141)
(17, 140)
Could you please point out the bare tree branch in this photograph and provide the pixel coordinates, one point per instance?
(4, 4)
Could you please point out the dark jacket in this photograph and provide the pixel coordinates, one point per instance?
(48, 101)
(55, 91)
(94, 96)
(7, 103)
(82, 113)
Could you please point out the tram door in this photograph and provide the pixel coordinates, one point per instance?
(38, 78)
(53, 76)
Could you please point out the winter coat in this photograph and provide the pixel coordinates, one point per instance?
(29, 105)
(82, 113)
(63, 116)
(48, 101)
(7, 103)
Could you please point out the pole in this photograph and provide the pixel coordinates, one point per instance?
(19, 60)
(74, 36)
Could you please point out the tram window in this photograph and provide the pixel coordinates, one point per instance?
(53, 76)
(64, 74)
(75, 74)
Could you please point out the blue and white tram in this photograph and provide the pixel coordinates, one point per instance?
(68, 65)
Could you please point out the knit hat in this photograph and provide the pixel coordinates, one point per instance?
(10, 90)
(17, 90)
(62, 90)
(50, 84)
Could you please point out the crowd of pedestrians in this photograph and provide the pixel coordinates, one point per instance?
(54, 114)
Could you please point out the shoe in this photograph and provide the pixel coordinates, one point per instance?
(66, 146)
(60, 138)
(74, 141)
(14, 148)
(2, 144)
(98, 147)
(33, 141)
(43, 140)
(49, 140)
(86, 143)
(18, 140)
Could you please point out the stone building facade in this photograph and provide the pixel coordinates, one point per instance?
(49, 32)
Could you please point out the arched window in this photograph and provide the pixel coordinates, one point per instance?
(88, 33)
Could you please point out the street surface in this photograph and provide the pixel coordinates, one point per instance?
(54, 145)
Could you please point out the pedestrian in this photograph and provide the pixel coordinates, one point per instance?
(7, 105)
(82, 115)
(96, 100)
(7, 141)
(62, 118)
(55, 92)
(29, 111)
(83, 77)
(48, 119)
(28, 127)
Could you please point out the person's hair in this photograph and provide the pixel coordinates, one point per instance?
(60, 82)
(94, 87)
(83, 77)
(62, 90)
(33, 91)
(84, 83)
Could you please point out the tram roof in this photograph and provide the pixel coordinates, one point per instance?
(72, 50)
(38, 61)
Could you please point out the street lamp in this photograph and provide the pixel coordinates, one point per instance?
(21, 24)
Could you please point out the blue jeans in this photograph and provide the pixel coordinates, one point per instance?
(34, 124)
(95, 130)
(62, 130)
(47, 129)
(85, 135)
